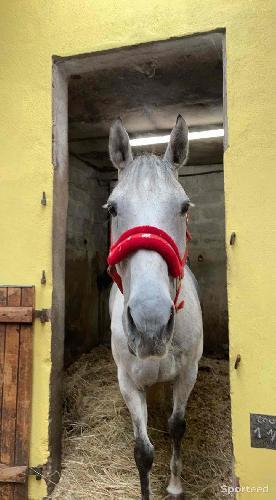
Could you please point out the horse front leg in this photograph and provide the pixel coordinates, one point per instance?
(143, 449)
(177, 426)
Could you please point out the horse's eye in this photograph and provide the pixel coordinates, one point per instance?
(185, 207)
(112, 210)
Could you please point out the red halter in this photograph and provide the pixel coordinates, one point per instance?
(149, 238)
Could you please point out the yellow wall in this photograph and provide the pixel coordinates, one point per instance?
(31, 32)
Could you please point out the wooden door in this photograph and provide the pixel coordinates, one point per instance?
(16, 317)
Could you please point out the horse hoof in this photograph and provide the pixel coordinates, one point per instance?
(180, 496)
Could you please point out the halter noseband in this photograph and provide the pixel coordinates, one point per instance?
(149, 238)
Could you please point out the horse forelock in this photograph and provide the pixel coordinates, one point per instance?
(148, 172)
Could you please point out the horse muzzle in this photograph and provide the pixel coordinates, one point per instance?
(149, 339)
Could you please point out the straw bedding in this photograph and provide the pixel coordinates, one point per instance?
(98, 440)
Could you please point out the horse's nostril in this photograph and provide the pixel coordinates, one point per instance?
(171, 318)
(170, 323)
(130, 318)
(172, 312)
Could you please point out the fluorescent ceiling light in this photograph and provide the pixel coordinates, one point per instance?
(206, 134)
(163, 139)
(145, 141)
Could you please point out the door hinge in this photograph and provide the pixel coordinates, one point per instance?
(39, 471)
(43, 314)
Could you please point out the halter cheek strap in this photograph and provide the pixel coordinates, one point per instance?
(149, 238)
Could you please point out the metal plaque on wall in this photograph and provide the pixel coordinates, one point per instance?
(263, 431)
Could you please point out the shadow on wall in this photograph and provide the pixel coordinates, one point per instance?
(86, 311)
(207, 252)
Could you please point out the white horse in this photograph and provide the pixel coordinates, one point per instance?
(153, 341)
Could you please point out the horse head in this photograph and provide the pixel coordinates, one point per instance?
(148, 197)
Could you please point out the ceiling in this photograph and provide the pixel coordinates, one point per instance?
(147, 86)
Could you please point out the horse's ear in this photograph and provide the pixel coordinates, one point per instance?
(178, 147)
(119, 146)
